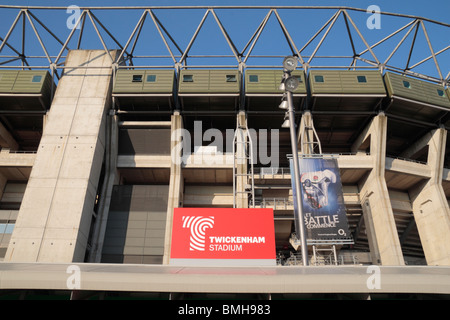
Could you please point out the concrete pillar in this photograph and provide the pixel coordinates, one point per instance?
(109, 180)
(378, 214)
(175, 198)
(306, 140)
(241, 179)
(429, 203)
(55, 216)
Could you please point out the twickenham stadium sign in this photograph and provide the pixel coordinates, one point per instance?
(223, 236)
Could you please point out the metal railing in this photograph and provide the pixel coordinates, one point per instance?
(295, 259)
(275, 203)
(271, 172)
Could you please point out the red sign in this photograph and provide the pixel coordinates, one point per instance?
(202, 234)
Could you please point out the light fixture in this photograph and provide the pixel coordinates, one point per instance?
(290, 63)
(291, 84)
(284, 104)
(286, 123)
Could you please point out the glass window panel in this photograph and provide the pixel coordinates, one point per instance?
(137, 77)
(151, 78)
(318, 79)
(188, 78)
(253, 78)
(36, 79)
(362, 79)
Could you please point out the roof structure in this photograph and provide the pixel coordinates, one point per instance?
(244, 37)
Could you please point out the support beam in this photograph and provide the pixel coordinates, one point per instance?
(378, 214)
(54, 220)
(430, 206)
(175, 198)
(241, 161)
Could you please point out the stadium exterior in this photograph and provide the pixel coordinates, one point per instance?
(91, 167)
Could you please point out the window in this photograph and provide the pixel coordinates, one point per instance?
(406, 84)
(440, 93)
(362, 79)
(7, 227)
(231, 78)
(137, 78)
(36, 79)
(318, 79)
(299, 78)
(188, 78)
(253, 78)
(151, 78)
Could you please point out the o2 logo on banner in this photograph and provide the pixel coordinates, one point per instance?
(223, 236)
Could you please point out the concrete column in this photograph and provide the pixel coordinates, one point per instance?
(306, 139)
(241, 162)
(55, 216)
(109, 180)
(378, 213)
(175, 198)
(429, 203)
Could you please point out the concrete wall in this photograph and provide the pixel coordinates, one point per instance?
(55, 217)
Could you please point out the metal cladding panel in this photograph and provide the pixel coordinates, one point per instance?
(158, 81)
(396, 87)
(124, 81)
(144, 81)
(136, 223)
(7, 79)
(268, 81)
(415, 89)
(144, 141)
(209, 81)
(374, 82)
(346, 82)
(30, 81)
(325, 81)
(435, 94)
(226, 81)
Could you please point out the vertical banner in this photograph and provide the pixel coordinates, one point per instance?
(322, 199)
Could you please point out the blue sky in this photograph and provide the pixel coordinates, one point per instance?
(241, 26)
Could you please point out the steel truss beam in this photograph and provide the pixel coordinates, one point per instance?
(179, 57)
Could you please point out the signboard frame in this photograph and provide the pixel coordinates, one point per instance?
(335, 223)
(223, 237)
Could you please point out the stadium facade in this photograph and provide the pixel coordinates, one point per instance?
(97, 154)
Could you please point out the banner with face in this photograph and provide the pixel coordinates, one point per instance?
(322, 202)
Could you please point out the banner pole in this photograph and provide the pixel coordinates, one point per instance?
(298, 199)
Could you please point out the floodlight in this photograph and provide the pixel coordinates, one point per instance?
(284, 105)
(286, 123)
(291, 83)
(290, 63)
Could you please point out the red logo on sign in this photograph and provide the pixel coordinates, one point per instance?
(223, 233)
